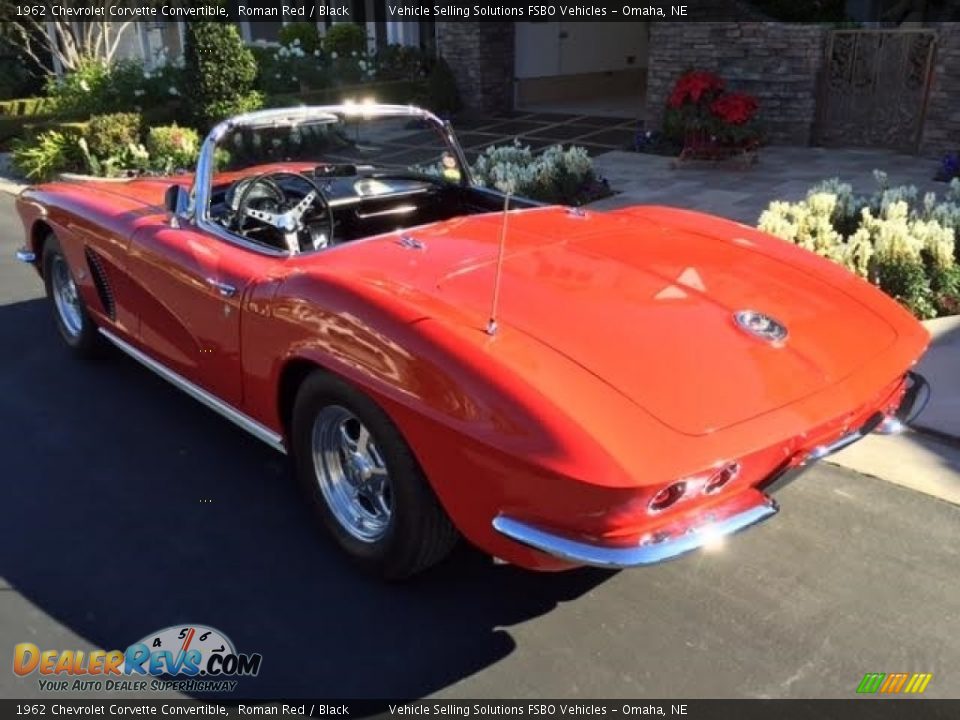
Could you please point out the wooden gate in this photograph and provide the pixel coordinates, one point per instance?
(874, 88)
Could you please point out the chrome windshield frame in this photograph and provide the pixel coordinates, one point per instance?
(198, 208)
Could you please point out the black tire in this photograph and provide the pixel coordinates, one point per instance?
(419, 533)
(85, 340)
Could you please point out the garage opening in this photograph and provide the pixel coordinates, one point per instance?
(583, 68)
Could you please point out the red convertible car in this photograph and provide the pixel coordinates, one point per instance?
(560, 387)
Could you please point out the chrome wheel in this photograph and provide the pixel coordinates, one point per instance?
(65, 297)
(351, 473)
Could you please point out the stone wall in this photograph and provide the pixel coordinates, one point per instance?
(941, 130)
(779, 63)
(481, 56)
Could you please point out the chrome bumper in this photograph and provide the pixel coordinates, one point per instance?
(665, 545)
(914, 401)
(26, 256)
(655, 549)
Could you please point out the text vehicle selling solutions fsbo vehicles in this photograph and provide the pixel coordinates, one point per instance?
(560, 387)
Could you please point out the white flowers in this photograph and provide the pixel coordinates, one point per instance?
(84, 86)
(139, 92)
(515, 168)
(333, 55)
(290, 51)
(173, 91)
(893, 226)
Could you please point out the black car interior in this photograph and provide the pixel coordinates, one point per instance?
(341, 203)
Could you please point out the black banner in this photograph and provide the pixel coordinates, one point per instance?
(874, 708)
(394, 10)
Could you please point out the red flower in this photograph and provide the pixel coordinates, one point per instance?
(693, 86)
(734, 108)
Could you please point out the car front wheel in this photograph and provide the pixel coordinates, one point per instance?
(74, 323)
(364, 482)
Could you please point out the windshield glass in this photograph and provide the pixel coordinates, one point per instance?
(341, 145)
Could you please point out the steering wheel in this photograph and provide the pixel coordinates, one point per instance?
(288, 218)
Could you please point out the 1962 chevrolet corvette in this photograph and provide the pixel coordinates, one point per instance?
(561, 387)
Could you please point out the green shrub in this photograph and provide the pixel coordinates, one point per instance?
(403, 62)
(98, 88)
(130, 159)
(172, 148)
(222, 109)
(902, 242)
(554, 176)
(108, 135)
(43, 157)
(301, 34)
(345, 39)
(904, 279)
(221, 72)
(442, 95)
(85, 91)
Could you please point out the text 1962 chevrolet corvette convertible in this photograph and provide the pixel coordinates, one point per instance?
(560, 387)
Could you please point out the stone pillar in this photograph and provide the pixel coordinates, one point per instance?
(941, 127)
(481, 56)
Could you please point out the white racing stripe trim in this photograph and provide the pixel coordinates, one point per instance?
(261, 432)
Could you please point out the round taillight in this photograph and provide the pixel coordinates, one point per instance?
(667, 497)
(720, 478)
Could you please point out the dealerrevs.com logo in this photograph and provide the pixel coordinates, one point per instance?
(185, 658)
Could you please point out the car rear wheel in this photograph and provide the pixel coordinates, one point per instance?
(74, 323)
(364, 482)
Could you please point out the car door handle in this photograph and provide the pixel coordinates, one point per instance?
(225, 289)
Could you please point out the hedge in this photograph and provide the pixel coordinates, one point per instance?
(27, 107)
(12, 128)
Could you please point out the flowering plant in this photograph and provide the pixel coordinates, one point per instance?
(900, 240)
(694, 86)
(735, 108)
(555, 175)
(701, 111)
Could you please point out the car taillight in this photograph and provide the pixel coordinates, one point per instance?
(667, 497)
(721, 477)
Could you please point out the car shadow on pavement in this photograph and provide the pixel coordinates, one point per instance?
(128, 508)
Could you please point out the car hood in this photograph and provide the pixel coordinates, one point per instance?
(648, 307)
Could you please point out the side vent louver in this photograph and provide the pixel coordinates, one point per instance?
(100, 281)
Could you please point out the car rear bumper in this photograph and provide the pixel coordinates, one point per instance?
(655, 548)
(710, 526)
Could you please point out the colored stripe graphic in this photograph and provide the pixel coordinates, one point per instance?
(893, 683)
(871, 682)
(918, 683)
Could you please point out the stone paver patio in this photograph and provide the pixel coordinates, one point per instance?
(742, 192)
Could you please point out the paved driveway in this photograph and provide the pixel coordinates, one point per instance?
(126, 508)
(742, 192)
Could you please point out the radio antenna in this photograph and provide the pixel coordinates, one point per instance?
(492, 323)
